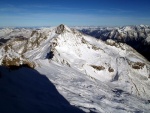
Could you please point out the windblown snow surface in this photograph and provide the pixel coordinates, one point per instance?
(95, 76)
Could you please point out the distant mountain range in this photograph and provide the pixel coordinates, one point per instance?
(137, 37)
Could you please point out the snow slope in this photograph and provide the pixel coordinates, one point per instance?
(90, 94)
(91, 74)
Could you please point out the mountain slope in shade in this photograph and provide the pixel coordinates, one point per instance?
(91, 74)
(27, 91)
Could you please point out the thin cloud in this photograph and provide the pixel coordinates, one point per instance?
(121, 10)
(54, 8)
(11, 8)
(55, 14)
(37, 8)
(40, 6)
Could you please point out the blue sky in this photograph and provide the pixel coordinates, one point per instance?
(74, 12)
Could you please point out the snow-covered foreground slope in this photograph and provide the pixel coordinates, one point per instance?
(91, 74)
(91, 94)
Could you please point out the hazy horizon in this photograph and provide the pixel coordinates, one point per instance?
(71, 26)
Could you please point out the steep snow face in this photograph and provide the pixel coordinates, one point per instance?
(110, 61)
(114, 64)
(73, 48)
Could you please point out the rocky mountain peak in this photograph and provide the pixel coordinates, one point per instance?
(62, 28)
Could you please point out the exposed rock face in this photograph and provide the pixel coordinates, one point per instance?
(60, 29)
(15, 51)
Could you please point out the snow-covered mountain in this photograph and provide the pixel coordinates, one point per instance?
(137, 37)
(91, 74)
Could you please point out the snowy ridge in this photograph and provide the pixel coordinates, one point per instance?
(137, 37)
(85, 69)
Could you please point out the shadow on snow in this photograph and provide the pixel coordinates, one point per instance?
(27, 91)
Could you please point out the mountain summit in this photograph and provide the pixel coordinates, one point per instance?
(84, 69)
(61, 28)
